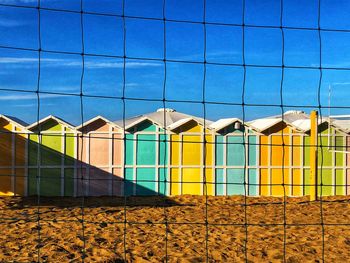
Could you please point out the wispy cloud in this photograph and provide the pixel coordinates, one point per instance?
(346, 83)
(341, 63)
(15, 21)
(53, 62)
(223, 53)
(13, 60)
(62, 88)
(29, 105)
(23, 97)
(5, 22)
(19, 1)
(91, 64)
(132, 84)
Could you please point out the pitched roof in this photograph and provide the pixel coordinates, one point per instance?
(294, 115)
(340, 122)
(298, 120)
(223, 123)
(50, 117)
(263, 124)
(181, 122)
(15, 121)
(99, 117)
(161, 117)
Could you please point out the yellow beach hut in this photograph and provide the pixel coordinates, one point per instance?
(192, 156)
(13, 161)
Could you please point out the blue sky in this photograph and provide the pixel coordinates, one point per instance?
(103, 35)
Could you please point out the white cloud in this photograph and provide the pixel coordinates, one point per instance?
(19, 1)
(8, 22)
(29, 105)
(120, 64)
(223, 53)
(52, 62)
(12, 60)
(340, 83)
(29, 61)
(103, 64)
(26, 96)
(5, 22)
(132, 84)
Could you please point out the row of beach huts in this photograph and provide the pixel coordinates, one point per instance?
(171, 153)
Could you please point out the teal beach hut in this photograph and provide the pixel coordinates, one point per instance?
(236, 159)
(146, 154)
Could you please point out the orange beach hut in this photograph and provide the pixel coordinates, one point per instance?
(281, 154)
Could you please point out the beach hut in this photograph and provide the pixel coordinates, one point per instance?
(340, 139)
(100, 153)
(13, 161)
(192, 156)
(333, 158)
(301, 150)
(52, 154)
(236, 158)
(147, 153)
(281, 153)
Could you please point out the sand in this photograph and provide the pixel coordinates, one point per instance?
(275, 232)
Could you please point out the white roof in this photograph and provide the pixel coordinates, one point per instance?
(222, 123)
(341, 122)
(162, 117)
(264, 124)
(99, 117)
(179, 123)
(343, 125)
(51, 117)
(298, 120)
(305, 124)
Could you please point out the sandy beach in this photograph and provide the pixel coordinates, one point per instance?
(134, 229)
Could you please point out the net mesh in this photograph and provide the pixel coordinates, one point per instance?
(84, 58)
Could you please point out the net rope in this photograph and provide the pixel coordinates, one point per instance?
(165, 139)
(82, 220)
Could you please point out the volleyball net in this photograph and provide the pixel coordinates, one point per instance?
(233, 83)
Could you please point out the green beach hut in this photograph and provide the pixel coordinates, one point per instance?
(52, 156)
